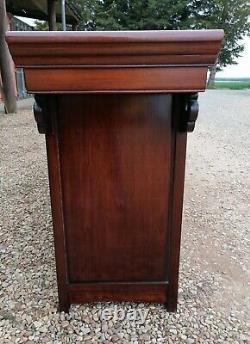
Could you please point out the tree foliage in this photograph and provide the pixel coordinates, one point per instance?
(230, 15)
(142, 14)
(133, 14)
(41, 25)
(89, 11)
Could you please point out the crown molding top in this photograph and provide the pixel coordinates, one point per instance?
(115, 52)
(112, 36)
(121, 47)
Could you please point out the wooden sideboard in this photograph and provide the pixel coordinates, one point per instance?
(115, 108)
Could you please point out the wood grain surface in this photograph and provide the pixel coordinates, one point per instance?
(116, 108)
(115, 158)
(136, 61)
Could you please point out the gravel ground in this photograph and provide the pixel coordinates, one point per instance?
(214, 276)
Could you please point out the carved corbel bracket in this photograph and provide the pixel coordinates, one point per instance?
(40, 109)
(191, 111)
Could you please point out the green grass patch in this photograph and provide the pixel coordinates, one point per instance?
(232, 84)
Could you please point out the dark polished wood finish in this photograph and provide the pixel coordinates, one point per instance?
(115, 185)
(118, 80)
(116, 108)
(115, 48)
(76, 62)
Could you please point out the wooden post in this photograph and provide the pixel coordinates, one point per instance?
(63, 16)
(7, 71)
(52, 15)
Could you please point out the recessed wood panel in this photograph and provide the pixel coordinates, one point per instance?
(123, 79)
(115, 155)
(133, 292)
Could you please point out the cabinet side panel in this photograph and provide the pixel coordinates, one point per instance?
(56, 204)
(115, 153)
(176, 195)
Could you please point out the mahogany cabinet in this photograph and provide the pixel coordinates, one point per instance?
(115, 108)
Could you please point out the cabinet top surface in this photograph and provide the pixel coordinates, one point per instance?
(117, 57)
(113, 36)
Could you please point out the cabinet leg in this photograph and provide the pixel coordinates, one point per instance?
(64, 304)
(64, 307)
(171, 305)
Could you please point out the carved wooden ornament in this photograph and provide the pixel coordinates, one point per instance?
(192, 110)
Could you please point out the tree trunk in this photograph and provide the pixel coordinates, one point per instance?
(6, 65)
(52, 14)
(211, 79)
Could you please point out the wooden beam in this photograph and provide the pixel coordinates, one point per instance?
(52, 15)
(6, 65)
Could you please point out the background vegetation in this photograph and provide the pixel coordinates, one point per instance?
(229, 15)
(232, 83)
